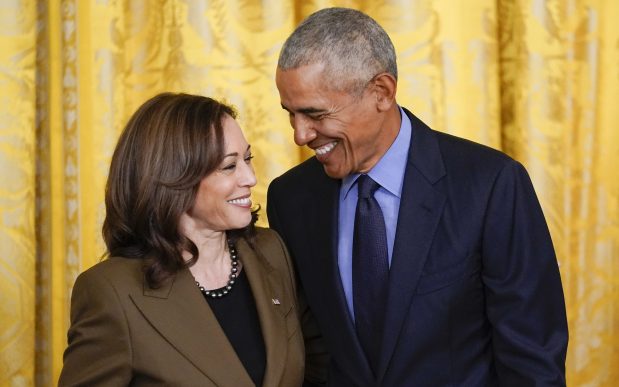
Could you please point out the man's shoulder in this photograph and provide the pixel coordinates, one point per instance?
(307, 173)
(472, 161)
(452, 145)
(436, 153)
(459, 147)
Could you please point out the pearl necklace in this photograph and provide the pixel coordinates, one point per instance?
(218, 293)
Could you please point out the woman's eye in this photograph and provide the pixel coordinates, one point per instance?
(229, 167)
(248, 159)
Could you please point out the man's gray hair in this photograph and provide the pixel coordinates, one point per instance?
(352, 46)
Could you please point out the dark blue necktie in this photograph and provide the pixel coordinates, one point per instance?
(370, 270)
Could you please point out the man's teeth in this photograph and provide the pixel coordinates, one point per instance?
(323, 150)
(243, 201)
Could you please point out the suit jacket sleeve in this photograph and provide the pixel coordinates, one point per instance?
(316, 355)
(99, 352)
(524, 296)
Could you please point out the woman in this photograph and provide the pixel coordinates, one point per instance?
(192, 294)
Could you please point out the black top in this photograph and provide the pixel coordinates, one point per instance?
(237, 315)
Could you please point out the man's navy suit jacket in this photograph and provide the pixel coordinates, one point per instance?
(475, 295)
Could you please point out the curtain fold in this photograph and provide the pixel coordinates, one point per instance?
(559, 80)
(17, 192)
(538, 79)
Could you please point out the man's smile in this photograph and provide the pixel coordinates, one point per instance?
(325, 149)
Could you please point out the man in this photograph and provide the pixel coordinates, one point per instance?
(424, 258)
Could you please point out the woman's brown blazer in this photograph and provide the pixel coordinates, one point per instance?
(125, 333)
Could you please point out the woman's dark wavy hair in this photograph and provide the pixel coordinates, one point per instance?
(169, 145)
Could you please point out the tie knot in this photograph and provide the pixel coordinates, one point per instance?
(366, 186)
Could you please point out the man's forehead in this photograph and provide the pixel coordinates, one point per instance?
(310, 100)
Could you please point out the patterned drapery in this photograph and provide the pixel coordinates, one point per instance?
(538, 79)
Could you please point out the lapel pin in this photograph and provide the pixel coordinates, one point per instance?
(275, 301)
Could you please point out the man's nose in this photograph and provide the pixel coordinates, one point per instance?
(304, 131)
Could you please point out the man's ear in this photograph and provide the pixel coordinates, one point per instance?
(385, 86)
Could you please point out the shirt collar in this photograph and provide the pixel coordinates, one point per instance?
(389, 171)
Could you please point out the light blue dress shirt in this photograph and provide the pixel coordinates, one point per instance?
(389, 173)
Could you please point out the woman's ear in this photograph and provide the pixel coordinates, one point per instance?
(385, 86)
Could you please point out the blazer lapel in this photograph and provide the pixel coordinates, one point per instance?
(174, 311)
(323, 222)
(421, 207)
(272, 306)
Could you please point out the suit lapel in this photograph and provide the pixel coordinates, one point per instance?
(323, 222)
(421, 207)
(174, 311)
(272, 306)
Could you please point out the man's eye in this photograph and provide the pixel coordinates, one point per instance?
(317, 117)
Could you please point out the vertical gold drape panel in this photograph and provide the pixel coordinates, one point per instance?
(17, 193)
(538, 79)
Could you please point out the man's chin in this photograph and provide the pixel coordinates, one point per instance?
(334, 173)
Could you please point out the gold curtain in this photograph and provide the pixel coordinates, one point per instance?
(538, 79)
